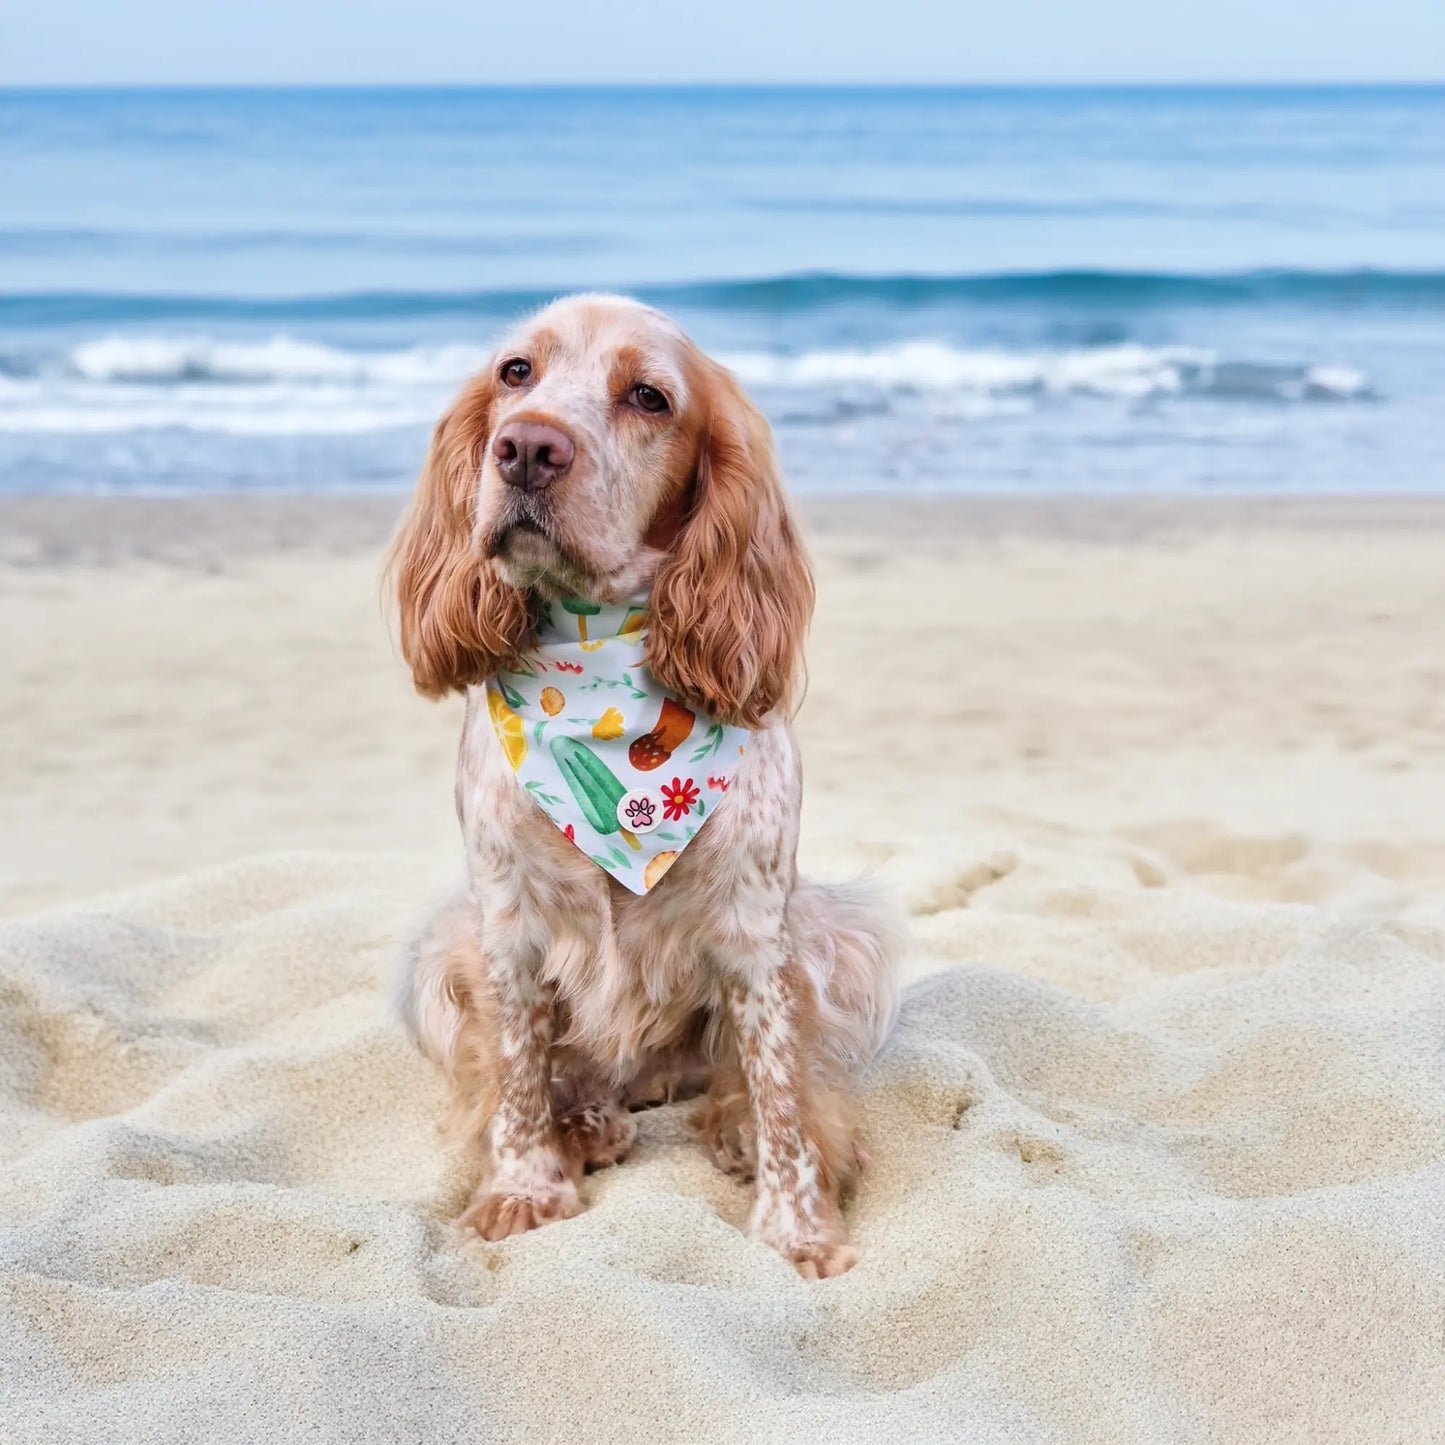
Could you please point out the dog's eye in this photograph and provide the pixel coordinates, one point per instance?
(515, 372)
(647, 398)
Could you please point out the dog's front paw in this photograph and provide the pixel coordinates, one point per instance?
(817, 1248)
(497, 1211)
(822, 1259)
(814, 1257)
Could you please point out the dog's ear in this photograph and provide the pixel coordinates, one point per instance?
(460, 622)
(732, 601)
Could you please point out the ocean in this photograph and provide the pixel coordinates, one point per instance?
(1032, 290)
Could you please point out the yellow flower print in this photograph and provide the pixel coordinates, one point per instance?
(609, 725)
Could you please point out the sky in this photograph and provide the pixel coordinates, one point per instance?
(46, 42)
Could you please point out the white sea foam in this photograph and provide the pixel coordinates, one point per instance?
(281, 358)
(285, 386)
(1339, 381)
(280, 386)
(933, 366)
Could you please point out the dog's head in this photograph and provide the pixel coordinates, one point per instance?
(601, 453)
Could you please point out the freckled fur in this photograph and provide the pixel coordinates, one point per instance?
(551, 996)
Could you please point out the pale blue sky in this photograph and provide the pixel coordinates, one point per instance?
(405, 41)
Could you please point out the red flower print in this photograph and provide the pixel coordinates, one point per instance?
(568, 666)
(678, 798)
(721, 784)
(570, 833)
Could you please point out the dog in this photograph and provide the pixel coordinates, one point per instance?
(602, 456)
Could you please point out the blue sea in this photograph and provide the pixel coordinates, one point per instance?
(985, 290)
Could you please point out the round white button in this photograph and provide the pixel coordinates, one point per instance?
(639, 811)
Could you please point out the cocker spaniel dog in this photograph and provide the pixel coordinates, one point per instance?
(600, 556)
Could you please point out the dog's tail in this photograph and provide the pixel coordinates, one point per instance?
(425, 996)
(851, 940)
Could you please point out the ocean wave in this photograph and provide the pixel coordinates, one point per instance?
(930, 366)
(1125, 370)
(159, 360)
(287, 386)
(1125, 290)
(1128, 372)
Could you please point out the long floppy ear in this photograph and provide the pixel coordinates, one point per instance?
(732, 602)
(460, 623)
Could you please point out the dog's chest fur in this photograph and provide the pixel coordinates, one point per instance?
(633, 974)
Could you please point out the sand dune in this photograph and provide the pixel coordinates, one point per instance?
(1159, 1140)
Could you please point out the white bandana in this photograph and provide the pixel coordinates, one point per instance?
(627, 771)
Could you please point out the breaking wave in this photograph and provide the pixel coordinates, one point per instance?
(284, 386)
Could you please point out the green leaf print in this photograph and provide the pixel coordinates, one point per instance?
(624, 681)
(538, 731)
(711, 744)
(538, 792)
(511, 696)
(700, 807)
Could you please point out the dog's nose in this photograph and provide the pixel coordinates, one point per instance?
(531, 455)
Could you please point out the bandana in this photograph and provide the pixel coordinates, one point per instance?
(627, 771)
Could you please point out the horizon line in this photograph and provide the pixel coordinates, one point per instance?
(1323, 83)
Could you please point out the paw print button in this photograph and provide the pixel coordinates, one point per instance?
(639, 811)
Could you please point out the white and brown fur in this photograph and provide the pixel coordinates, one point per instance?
(554, 999)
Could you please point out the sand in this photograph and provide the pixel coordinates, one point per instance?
(1159, 1140)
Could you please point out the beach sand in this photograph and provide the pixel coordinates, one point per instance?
(1159, 1142)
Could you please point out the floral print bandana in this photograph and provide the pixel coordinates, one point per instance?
(627, 771)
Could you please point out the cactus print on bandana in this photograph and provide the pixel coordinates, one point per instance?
(626, 771)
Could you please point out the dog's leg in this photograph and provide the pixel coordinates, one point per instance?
(530, 1179)
(797, 1143)
(724, 1122)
